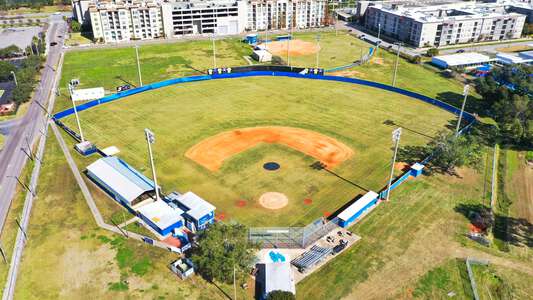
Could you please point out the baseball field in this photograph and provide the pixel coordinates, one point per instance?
(214, 138)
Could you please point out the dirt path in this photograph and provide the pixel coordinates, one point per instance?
(211, 152)
(523, 181)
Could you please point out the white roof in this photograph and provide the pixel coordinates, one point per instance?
(120, 177)
(197, 206)
(466, 58)
(112, 150)
(87, 94)
(279, 277)
(357, 206)
(507, 58)
(161, 214)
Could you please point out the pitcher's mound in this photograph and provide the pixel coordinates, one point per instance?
(273, 200)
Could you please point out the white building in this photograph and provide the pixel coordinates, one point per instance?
(123, 20)
(221, 17)
(439, 25)
(284, 14)
(461, 60)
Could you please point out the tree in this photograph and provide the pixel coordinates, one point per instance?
(75, 26)
(450, 151)
(507, 93)
(432, 52)
(221, 248)
(5, 70)
(280, 295)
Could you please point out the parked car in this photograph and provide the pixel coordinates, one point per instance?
(53, 43)
(460, 51)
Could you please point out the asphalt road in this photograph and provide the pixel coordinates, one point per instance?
(12, 157)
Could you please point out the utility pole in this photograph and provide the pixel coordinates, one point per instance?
(22, 229)
(14, 78)
(23, 185)
(465, 93)
(76, 112)
(3, 253)
(318, 49)
(138, 65)
(214, 51)
(396, 133)
(150, 139)
(396, 65)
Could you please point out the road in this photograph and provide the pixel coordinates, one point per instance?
(12, 158)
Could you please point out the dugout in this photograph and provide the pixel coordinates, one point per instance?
(120, 181)
(354, 211)
(198, 213)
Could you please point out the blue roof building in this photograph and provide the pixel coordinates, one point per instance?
(198, 213)
(121, 181)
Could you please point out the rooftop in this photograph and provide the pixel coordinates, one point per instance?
(197, 207)
(279, 276)
(466, 58)
(121, 177)
(357, 206)
(161, 214)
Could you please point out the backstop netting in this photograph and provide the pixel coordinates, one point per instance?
(291, 237)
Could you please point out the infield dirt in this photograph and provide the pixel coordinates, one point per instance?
(211, 152)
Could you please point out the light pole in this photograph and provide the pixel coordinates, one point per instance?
(138, 65)
(289, 42)
(150, 139)
(379, 41)
(76, 113)
(396, 133)
(318, 49)
(396, 65)
(14, 78)
(214, 51)
(234, 284)
(465, 93)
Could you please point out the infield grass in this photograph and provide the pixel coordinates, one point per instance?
(184, 115)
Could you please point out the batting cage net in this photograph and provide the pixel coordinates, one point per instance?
(291, 237)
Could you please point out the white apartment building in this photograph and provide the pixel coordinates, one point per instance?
(448, 24)
(284, 14)
(122, 21)
(221, 17)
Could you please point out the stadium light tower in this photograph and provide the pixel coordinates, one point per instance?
(70, 89)
(214, 51)
(318, 49)
(396, 64)
(150, 139)
(379, 41)
(465, 93)
(396, 133)
(289, 41)
(138, 65)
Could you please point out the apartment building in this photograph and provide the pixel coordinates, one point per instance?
(123, 21)
(284, 14)
(439, 25)
(204, 17)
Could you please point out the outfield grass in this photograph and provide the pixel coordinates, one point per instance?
(451, 277)
(355, 115)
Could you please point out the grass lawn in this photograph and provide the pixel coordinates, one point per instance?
(354, 115)
(45, 9)
(76, 39)
(451, 277)
(2, 139)
(68, 257)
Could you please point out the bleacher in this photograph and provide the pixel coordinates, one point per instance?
(310, 258)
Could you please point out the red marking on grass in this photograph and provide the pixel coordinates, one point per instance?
(308, 201)
(241, 203)
(327, 214)
(220, 216)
